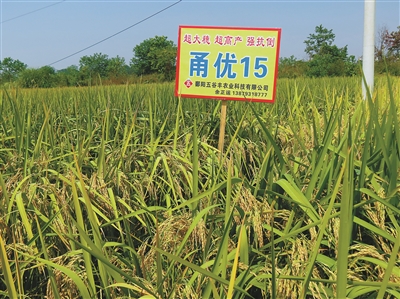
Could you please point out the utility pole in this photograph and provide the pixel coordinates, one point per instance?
(369, 46)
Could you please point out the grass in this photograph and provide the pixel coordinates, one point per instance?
(120, 192)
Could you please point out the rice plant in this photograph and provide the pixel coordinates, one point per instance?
(121, 192)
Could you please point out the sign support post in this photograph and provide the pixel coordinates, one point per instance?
(222, 126)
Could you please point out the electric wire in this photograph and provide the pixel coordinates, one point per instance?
(119, 32)
(31, 12)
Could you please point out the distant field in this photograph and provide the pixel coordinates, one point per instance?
(120, 192)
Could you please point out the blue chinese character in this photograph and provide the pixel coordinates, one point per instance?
(199, 64)
(227, 61)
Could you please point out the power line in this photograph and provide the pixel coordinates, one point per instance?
(31, 12)
(141, 21)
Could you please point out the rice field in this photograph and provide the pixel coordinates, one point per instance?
(121, 192)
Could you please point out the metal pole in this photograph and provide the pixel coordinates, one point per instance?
(369, 46)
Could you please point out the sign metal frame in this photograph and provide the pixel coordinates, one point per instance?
(227, 63)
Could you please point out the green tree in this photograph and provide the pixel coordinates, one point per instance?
(94, 67)
(69, 76)
(10, 69)
(155, 55)
(326, 59)
(332, 61)
(116, 67)
(43, 77)
(321, 38)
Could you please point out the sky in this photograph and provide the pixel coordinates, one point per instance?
(40, 33)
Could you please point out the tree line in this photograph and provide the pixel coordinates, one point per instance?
(325, 59)
(154, 61)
